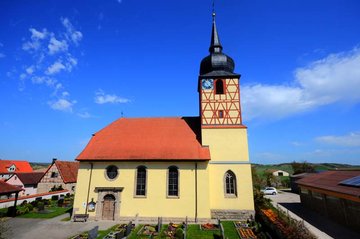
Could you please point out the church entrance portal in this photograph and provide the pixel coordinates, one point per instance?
(108, 207)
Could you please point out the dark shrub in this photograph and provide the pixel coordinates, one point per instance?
(55, 197)
(41, 206)
(179, 234)
(60, 202)
(29, 206)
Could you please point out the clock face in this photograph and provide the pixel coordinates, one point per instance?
(207, 84)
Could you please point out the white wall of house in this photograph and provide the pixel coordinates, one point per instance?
(27, 189)
(280, 173)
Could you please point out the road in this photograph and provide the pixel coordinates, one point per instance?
(21, 228)
(319, 225)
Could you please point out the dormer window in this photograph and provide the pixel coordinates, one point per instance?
(219, 87)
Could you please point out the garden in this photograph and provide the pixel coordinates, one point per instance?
(223, 229)
(42, 208)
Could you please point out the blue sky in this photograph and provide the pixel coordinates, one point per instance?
(69, 68)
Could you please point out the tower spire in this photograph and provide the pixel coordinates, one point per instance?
(215, 46)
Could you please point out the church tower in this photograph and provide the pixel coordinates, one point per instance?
(225, 135)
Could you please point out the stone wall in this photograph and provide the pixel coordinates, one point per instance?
(232, 214)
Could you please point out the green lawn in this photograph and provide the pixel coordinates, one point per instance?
(49, 213)
(229, 230)
(194, 232)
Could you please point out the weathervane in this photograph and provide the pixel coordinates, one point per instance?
(213, 10)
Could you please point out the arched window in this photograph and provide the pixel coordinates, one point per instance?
(141, 181)
(219, 86)
(230, 183)
(111, 172)
(173, 181)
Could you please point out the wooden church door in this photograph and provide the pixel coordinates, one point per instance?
(108, 207)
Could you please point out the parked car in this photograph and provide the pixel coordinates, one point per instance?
(269, 190)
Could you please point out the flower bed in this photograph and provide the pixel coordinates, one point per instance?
(174, 231)
(148, 230)
(209, 226)
(244, 231)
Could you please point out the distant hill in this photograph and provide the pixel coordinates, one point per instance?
(37, 166)
(260, 168)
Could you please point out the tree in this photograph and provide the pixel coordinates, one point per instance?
(303, 167)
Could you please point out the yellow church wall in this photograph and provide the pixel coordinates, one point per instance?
(226, 144)
(244, 198)
(156, 203)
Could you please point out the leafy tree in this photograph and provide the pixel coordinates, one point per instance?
(303, 167)
(270, 178)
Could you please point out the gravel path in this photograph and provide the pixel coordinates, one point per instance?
(50, 228)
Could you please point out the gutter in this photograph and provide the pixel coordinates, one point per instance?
(88, 193)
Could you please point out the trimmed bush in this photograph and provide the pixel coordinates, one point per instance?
(29, 206)
(55, 197)
(41, 206)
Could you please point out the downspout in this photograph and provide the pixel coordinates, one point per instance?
(196, 193)
(87, 198)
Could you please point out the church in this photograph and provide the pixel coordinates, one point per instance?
(173, 167)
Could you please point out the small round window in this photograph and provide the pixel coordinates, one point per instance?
(111, 172)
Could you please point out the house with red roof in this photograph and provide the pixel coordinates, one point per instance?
(26, 181)
(60, 174)
(173, 167)
(9, 167)
(335, 194)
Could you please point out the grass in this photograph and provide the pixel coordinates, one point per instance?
(194, 232)
(102, 233)
(52, 212)
(133, 235)
(230, 230)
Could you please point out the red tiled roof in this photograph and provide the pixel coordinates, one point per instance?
(147, 139)
(6, 188)
(21, 166)
(68, 170)
(330, 180)
(30, 178)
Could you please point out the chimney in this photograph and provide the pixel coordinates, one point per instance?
(53, 160)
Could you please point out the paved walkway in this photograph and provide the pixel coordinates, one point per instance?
(319, 225)
(21, 228)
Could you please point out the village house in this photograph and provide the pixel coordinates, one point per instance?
(175, 167)
(9, 167)
(26, 181)
(278, 173)
(60, 174)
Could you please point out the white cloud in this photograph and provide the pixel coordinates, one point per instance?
(35, 43)
(350, 140)
(36, 35)
(30, 70)
(333, 79)
(55, 68)
(84, 115)
(71, 33)
(50, 82)
(102, 98)
(62, 105)
(56, 46)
